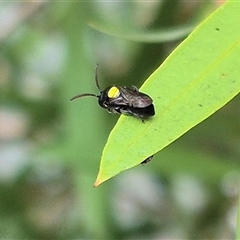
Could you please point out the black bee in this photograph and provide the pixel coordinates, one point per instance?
(117, 99)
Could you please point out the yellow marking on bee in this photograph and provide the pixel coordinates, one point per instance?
(113, 92)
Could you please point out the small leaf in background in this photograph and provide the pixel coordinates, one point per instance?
(150, 36)
(198, 78)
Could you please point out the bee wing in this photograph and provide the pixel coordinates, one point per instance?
(141, 100)
(132, 98)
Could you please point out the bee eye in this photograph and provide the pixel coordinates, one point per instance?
(113, 92)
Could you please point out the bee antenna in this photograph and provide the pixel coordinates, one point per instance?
(96, 78)
(83, 95)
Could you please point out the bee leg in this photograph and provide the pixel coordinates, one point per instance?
(135, 89)
(125, 111)
(112, 110)
(147, 160)
(105, 104)
(139, 117)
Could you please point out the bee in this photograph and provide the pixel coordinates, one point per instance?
(122, 100)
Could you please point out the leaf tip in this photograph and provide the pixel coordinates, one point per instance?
(98, 181)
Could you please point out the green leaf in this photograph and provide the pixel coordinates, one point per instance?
(148, 36)
(197, 79)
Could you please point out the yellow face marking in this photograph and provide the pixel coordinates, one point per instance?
(113, 92)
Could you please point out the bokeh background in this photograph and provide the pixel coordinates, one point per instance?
(50, 148)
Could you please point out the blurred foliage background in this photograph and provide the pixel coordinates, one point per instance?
(50, 148)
